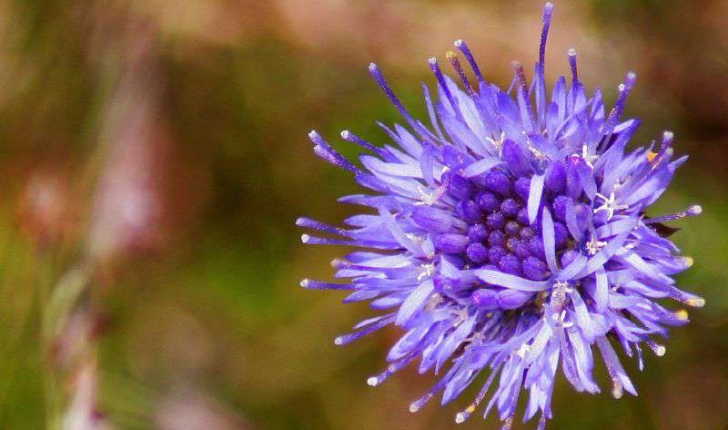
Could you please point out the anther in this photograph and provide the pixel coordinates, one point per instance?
(696, 302)
(658, 349)
(610, 205)
(617, 389)
(681, 314)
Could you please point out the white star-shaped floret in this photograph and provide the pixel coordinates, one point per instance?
(428, 198)
(461, 314)
(427, 271)
(558, 294)
(523, 350)
(434, 302)
(588, 159)
(417, 240)
(594, 245)
(498, 143)
(610, 205)
(560, 320)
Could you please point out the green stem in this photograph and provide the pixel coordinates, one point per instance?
(45, 287)
(57, 302)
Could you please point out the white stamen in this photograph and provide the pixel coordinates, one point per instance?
(558, 295)
(588, 159)
(498, 143)
(536, 153)
(523, 350)
(426, 198)
(416, 239)
(594, 245)
(461, 314)
(427, 271)
(434, 301)
(610, 205)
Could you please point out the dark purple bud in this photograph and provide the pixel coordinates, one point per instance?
(511, 207)
(573, 185)
(555, 183)
(495, 221)
(526, 233)
(496, 238)
(487, 201)
(477, 253)
(517, 162)
(511, 243)
(523, 186)
(560, 205)
(432, 219)
(535, 245)
(485, 298)
(459, 187)
(521, 249)
(477, 232)
(495, 254)
(568, 257)
(451, 243)
(512, 228)
(510, 264)
(498, 182)
(522, 217)
(469, 211)
(513, 299)
(561, 235)
(535, 269)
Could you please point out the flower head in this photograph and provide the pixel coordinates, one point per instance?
(510, 239)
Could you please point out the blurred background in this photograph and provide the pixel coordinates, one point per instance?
(166, 141)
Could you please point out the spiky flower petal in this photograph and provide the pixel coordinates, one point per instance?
(509, 241)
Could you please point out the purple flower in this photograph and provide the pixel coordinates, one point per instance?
(509, 240)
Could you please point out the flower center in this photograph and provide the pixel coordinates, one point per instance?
(498, 233)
